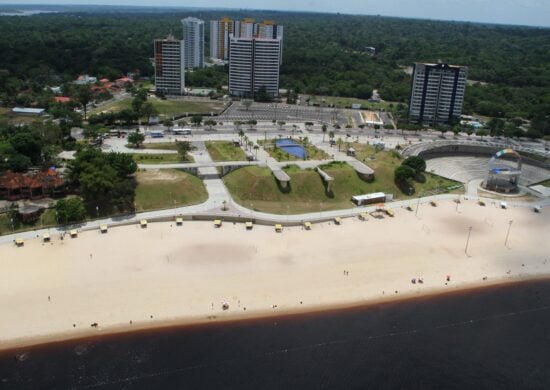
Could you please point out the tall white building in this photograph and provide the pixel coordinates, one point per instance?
(437, 93)
(193, 36)
(221, 30)
(245, 28)
(169, 66)
(253, 63)
(269, 30)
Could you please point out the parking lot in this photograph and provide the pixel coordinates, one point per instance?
(285, 112)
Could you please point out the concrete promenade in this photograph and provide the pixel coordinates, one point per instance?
(212, 209)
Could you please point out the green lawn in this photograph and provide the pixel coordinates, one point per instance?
(166, 188)
(384, 164)
(256, 188)
(47, 219)
(10, 119)
(280, 155)
(225, 151)
(164, 158)
(167, 108)
(160, 145)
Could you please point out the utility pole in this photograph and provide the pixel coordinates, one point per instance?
(508, 233)
(468, 240)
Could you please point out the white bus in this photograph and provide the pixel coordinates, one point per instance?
(182, 131)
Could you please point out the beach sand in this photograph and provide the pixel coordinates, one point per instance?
(133, 278)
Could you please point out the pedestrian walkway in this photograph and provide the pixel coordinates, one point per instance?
(472, 186)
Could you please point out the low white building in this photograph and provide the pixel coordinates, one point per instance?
(28, 111)
(85, 79)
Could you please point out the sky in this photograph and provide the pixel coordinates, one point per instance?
(524, 12)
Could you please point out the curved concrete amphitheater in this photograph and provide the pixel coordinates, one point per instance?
(465, 161)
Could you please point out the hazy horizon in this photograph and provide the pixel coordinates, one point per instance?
(515, 12)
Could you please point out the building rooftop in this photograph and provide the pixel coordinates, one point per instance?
(24, 110)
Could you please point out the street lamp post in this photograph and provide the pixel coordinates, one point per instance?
(417, 206)
(508, 232)
(468, 240)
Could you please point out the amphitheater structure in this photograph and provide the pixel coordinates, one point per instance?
(466, 161)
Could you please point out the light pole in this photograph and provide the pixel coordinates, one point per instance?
(417, 206)
(468, 240)
(97, 211)
(508, 232)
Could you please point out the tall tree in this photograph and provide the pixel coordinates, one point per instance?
(136, 138)
(84, 95)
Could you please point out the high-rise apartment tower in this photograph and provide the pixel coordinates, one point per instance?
(221, 31)
(253, 64)
(219, 38)
(169, 66)
(437, 93)
(193, 36)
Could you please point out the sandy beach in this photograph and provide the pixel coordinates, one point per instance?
(133, 278)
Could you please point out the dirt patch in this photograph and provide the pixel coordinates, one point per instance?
(156, 175)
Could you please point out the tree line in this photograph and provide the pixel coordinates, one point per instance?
(322, 54)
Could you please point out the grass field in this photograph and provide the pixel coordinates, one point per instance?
(7, 118)
(47, 219)
(280, 155)
(384, 164)
(154, 158)
(256, 188)
(167, 108)
(225, 151)
(160, 158)
(160, 145)
(166, 188)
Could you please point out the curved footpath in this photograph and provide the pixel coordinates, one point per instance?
(212, 209)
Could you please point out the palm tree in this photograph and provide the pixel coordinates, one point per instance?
(84, 96)
(241, 135)
(331, 135)
(324, 128)
(256, 148)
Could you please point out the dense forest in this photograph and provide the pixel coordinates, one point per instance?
(323, 54)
